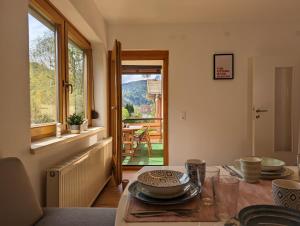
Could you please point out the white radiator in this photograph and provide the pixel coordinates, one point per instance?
(77, 182)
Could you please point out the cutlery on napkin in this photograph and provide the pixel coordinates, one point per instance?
(231, 171)
(152, 213)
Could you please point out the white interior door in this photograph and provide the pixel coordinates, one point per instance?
(276, 100)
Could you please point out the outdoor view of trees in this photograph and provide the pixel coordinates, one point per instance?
(135, 99)
(42, 56)
(43, 73)
(76, 78)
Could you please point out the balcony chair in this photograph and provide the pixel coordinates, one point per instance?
(128, 143)
(141, 138)
(19, 206)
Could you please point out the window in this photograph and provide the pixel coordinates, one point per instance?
(43, 71)
(59, 70)
(77, 77)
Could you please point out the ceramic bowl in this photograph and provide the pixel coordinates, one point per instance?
(166, 193)
(250, 168)
(270, 164)
(163, 183)
(286, 193)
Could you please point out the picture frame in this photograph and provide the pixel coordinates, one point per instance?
(223, 66)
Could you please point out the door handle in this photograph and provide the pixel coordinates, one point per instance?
(113, 107)
(261, 110)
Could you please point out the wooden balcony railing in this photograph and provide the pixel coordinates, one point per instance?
(155, 126)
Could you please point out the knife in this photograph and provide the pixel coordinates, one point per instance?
(232, 172)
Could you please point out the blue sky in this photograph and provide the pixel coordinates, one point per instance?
(132, 78)
(36, 29)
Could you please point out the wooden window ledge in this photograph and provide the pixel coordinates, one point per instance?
(50, 142)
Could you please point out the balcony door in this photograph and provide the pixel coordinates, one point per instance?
(144, 92)
(156, 126)
(115, 110)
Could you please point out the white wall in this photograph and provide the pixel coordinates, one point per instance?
(218, 125)
(14, 96)
(100, 83)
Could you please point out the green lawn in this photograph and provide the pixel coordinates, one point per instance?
(141, 158)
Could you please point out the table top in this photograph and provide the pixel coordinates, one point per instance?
(132, 128)
(123, 201)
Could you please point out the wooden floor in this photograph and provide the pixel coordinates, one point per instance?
(110, 195)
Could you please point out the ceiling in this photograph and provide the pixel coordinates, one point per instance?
(199, 11)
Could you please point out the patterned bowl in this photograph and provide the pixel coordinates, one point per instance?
(286, 193)
(163, 183)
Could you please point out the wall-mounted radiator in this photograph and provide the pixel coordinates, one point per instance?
(77, 182)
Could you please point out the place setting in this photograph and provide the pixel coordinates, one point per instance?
(254, 168)
(176, 196)
(163, 195)
(266, 196)
(250, 192)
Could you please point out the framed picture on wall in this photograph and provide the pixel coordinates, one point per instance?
(223, 66)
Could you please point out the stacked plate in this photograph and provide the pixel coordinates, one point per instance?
(270, 169)
(163, 187)
(273, 169)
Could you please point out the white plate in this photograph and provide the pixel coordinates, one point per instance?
(277, 172)
(286, 172)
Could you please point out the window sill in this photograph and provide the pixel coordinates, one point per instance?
(50, 142)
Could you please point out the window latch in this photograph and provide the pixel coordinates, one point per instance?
(68, 85)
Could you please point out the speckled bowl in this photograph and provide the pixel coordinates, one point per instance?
(163, 183)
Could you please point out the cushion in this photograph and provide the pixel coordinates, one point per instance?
(18, 204)
(78, 217)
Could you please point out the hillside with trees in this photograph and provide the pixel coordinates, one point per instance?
(135, 93)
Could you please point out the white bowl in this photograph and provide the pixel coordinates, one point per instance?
(163, 183)
(286, 193)
(271, 164)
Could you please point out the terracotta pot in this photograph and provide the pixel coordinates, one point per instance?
(75, 129)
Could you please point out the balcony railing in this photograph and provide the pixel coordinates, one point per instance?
(155, 126)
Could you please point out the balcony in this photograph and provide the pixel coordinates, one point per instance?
(142, 142)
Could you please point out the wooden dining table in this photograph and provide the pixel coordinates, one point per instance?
(123, 203)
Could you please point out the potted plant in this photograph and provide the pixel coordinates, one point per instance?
(74, 121)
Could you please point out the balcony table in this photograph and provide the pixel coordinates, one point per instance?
(124, 198)
(128, 136)
(132, 128)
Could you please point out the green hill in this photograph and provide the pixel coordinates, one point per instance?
(135, 93)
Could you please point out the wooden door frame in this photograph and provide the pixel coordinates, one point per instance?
(150, 55)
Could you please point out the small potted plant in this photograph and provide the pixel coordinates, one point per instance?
(74, 121)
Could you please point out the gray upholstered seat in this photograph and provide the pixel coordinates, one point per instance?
(19, 206)
(78, 217)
